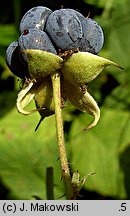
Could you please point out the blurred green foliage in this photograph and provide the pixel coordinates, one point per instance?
(25, 155)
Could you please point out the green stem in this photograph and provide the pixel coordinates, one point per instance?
(60, 136)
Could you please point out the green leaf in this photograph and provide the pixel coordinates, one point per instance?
(98, 3)
(118, 48)
(116, 25)
(124, 160)
(106, 3)
(25, 156)
(119, 98)
(7, 34)
(42, 63)
(100, 150)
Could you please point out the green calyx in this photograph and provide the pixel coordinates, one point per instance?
(82, 67)
(42, 63)
(76, 69)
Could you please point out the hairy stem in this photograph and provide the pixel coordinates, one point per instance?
(60, 136)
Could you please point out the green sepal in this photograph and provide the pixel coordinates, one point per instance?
(42, 63)
(24, 97)
(82, 100)
(82, 67)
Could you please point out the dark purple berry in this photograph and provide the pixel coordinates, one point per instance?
(36, 39)
(15, 61)
(64, 28)
(93, 38)
(35, 18)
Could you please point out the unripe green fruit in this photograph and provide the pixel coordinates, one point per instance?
(44, 98)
